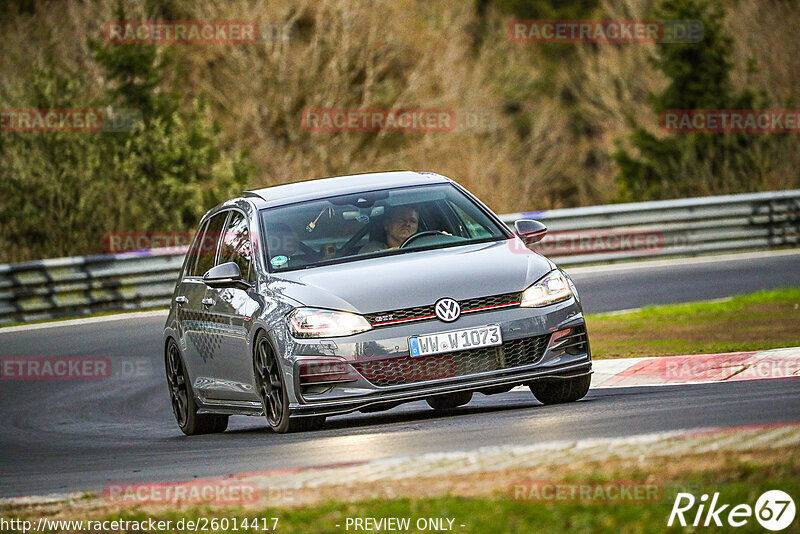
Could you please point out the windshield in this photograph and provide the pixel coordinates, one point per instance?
(374, 223)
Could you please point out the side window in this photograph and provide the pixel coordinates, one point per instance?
(208, 244)
(193, 252)
(236, 245)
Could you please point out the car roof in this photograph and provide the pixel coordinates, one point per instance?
(340, 185)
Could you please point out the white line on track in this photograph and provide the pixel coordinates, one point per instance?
(85, 321)
(695, 260)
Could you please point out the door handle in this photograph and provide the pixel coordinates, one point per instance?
(208, 301)
(181, 299)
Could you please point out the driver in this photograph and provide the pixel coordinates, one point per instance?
(401, 222)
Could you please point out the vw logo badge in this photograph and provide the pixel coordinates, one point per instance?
(447, 310)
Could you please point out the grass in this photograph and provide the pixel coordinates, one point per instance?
(757, 321)
(740, 478)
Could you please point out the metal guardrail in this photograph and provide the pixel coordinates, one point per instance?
(683, 227)
(67, 287)
(599, 234)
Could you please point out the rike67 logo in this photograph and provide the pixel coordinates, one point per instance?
(774, 510)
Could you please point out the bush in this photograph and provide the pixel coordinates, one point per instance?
(64, 190)
(699, 77)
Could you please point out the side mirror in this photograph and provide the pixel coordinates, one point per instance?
(530, 231)
(225, 275)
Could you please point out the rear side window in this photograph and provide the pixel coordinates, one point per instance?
(236, 245)
(208, 245)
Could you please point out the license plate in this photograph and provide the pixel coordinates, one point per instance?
(469, 338)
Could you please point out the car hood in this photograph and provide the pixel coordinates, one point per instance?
(415, 278)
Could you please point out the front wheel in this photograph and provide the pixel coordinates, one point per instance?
(181, 396)
(272, 391)
(561, 390)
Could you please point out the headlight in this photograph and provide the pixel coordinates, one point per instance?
(552, 288)
(312, 322)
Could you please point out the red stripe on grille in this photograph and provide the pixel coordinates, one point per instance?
(404, 320)
(421, 317)
(490, 307)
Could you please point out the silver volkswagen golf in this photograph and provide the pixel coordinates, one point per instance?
(319, 298)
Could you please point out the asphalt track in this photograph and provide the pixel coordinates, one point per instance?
(65, 436)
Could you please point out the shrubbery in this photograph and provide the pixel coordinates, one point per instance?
(62, 191)
(692, 164)
(217, 119)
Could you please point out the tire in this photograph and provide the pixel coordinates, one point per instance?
(272, 392)
(184, 407)
(449, 401)
(561, 390)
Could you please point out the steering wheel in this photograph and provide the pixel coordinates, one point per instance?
(420, 234)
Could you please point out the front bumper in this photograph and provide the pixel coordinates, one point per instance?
(422, 391)
(391, 344)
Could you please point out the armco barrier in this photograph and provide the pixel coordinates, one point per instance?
(79, 286)
(66, 287)
(684, 227)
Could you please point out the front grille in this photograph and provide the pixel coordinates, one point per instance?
(472, 305)
(408, 370)
(422, 313)
(396, 316)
